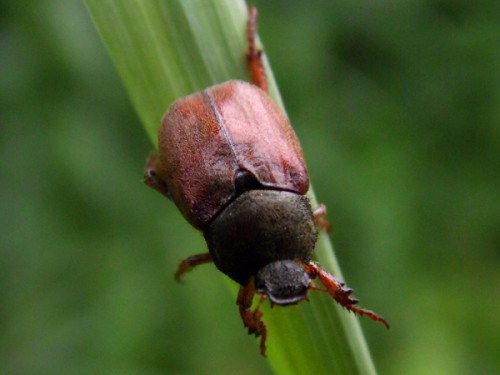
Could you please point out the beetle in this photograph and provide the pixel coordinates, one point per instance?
(232, 164)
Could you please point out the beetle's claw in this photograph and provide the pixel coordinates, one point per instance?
(368, 313)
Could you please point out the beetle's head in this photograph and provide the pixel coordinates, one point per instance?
(284, 282)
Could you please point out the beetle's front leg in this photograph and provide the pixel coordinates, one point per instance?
(152, 175)
(319, 215)
(189, 263)
(339, 291)
(252, 319)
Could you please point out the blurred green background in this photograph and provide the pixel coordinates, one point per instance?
(397, 105)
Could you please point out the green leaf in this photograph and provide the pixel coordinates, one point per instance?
(167, 49)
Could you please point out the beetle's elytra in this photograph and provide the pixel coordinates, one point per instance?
(209, 138)
(231, 162)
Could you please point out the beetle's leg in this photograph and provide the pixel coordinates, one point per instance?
(339, 291)
(152, 177)
(252, 319)
(189, 263)
(254, 55)
(319, 215)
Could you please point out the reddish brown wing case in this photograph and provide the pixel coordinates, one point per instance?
(207, 137)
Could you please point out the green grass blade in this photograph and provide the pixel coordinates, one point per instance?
(167, 49)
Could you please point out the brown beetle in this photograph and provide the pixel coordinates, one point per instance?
(232, 164)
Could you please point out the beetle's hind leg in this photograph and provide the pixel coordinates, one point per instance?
(254, 55)
(189, 263)
(252, 319)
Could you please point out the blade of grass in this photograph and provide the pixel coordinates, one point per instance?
(167, 49)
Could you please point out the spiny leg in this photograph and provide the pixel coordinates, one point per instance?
(339, 292)
(319, 215)
(254, 55)
(189, 263)
(252, 319)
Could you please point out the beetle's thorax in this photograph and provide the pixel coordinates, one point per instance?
(260, 227)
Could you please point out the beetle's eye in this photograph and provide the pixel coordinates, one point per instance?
(245, 181)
